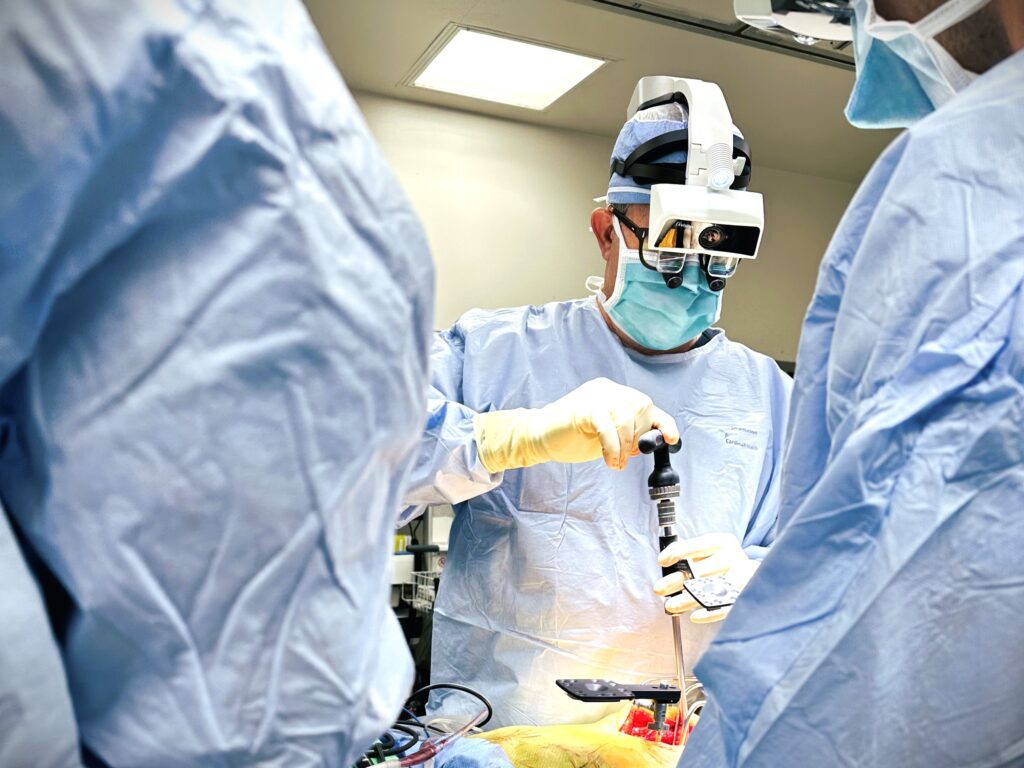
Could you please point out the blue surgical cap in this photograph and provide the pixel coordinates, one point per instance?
(642, 127)
(624, 189)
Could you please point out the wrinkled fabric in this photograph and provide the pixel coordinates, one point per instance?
(473, 753)
(213, 350)
(37, 724)
(550, 568)
(594, 745)
(885, 626)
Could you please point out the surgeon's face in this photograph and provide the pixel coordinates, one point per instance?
(601, 223)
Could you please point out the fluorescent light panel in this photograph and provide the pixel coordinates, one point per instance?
(495, 68)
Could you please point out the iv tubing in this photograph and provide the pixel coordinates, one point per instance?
(432, 747)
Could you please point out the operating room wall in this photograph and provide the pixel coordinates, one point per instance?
(506, 207)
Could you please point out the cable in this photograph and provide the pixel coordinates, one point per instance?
(414, 529)
(455, 687)
(397, 747)
(413, 717)
(388, 746)
(433, 746)
(427, 728)
(376, 753)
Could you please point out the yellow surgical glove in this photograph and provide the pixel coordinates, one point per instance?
(599, 418)
(713, 554)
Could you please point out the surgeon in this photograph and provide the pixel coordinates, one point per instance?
(214, 332)
(884, 629)
(534, 417)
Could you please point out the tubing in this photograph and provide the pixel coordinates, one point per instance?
(433, 746)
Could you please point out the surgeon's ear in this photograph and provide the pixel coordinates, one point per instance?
(601, 226)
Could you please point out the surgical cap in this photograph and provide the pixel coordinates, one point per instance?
(642, 127)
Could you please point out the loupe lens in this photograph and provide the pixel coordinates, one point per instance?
(722, 266)
(671, 263)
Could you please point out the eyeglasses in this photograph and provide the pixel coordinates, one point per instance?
(665, 263)
(641, 234)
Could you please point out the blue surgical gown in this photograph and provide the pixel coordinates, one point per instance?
(37, 724)
(214, 338)
(886, 627)
(550, 568)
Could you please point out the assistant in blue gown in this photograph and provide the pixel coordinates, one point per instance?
(886, 626)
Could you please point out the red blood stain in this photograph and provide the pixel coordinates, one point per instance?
(640, 717)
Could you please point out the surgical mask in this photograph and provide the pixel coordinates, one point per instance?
(903, 73)
(652, 314)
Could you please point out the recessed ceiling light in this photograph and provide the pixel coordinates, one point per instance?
(495, 68)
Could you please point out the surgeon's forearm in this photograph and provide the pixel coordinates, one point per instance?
(448, 469)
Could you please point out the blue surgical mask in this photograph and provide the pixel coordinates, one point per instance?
(652, 314)
(903, 73)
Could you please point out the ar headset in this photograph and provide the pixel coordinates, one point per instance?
(699, 208)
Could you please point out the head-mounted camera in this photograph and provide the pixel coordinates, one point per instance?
(719, 228)
(700, 209)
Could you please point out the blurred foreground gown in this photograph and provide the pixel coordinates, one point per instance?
(214, 327)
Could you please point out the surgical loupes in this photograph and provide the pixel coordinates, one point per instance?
(663, 488)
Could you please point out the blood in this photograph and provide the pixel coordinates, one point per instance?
(640, 717)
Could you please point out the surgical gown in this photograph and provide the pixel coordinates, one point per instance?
(550, 568)
(886, 627)
(37, 724)
(214, 338)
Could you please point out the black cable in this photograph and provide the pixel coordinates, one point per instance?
(388, 746)
(425, 728)
(455, 687)
(414, 529)
(398, 747)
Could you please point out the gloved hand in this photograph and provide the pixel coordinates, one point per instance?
(599, 418)
(713, 554)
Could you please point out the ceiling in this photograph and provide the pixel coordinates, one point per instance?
(789, 105)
